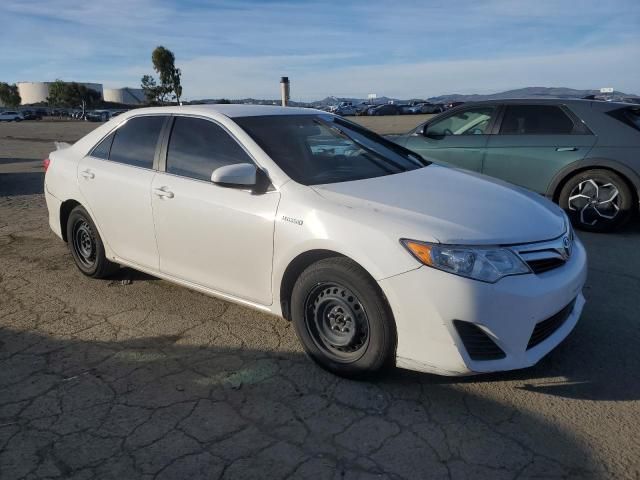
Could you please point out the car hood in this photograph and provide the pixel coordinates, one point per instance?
(448, 205)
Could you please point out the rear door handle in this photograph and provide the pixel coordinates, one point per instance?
(566, 149)
(163, 192)
(88, 174)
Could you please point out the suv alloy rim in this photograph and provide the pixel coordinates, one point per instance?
(337, 322)
(594, 201)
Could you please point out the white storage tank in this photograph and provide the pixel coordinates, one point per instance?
(37, 92)
(126, 95)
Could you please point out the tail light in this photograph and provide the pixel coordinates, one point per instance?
(45, 163)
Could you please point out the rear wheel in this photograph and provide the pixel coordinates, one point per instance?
(342, 319)
(86, 245)
(597, 200)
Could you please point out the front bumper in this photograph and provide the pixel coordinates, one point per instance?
(426, 301)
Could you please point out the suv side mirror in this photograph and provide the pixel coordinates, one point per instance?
(237, 175)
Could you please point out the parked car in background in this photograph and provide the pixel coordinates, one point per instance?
(97, 116)
(585, 155)
(31, 115)
(387, 109)
(377, 256)
(11, 116)
(426, 107)
(345, 110)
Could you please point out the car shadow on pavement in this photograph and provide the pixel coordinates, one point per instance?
(173, 406)
(15, 184)
(9, 160)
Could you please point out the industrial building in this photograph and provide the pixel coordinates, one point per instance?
(37, 92)
(125, 95)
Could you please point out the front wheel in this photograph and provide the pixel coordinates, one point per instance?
(86, 245)
(597, 200)
(342, 318)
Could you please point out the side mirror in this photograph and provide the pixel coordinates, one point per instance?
(237, 175)
(422, 130)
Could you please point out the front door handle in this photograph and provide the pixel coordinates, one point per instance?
(566, 149)
(87, 174)
(163, 192)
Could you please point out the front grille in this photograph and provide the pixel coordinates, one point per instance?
(545, 264)
(477, 343)
(546, 328)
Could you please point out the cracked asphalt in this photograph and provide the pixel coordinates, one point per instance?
(134, 377)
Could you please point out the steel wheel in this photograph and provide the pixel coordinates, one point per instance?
(337, 322)
(84, 243)
(594, 201)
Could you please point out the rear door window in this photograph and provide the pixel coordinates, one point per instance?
(536, 120)
(197, 147)
(135, 141)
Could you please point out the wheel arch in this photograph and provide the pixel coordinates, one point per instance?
(561, 178)
(65, 210)
(298, 264)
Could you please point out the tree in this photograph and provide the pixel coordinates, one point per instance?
(164, 65)
(72, 94)
(9, 95)
(155, 94)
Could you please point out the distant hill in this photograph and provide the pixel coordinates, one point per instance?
(528, 92)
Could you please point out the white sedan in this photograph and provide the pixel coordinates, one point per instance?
(378, 256)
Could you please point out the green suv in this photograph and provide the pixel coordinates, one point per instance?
(584, 155)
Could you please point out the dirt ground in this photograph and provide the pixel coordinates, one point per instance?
(134, 377)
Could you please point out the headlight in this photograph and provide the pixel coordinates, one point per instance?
(485, 264)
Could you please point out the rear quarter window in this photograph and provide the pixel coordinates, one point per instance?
(629, 116)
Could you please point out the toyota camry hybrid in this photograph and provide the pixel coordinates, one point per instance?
(376, 255)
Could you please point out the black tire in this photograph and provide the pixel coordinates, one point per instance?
(86, 245)
(597, 200)
(342, 318)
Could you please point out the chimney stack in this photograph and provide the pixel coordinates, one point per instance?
(284, 90)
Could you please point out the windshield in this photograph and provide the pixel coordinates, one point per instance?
(317, 149)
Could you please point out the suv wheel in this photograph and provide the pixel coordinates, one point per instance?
(597, 200)
(342, 319)
(86, 245)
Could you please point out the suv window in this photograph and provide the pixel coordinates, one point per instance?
(536, 120)
(628, 115)
(104, 147)
(135, 141)
(197, 147)
(473, 121)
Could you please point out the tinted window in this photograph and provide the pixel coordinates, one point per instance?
(630, 116)
(535, 120)
(135, 141)
(473, 121)
(103, 148)
(197, 147)
(316, 149)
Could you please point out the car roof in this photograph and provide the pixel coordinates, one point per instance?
(229, 110)
(540, 101)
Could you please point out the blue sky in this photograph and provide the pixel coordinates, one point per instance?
(398, 48)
